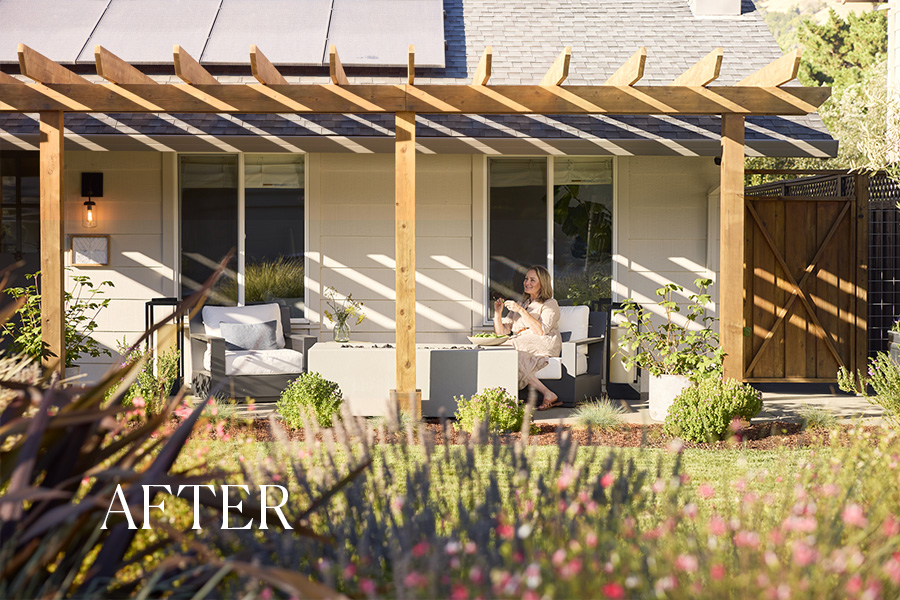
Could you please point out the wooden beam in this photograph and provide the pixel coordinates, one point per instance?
(189, 70)
(335, 68)
(776, 73)
(53, 216)
(731, 262)
(631, 71)
(35, 65)
(264, 71)
(559, 70)
(6, 78)
(424, 99)
(405, 221)
(483, 71)
(704, 72)
(112, 68)
(411, 69)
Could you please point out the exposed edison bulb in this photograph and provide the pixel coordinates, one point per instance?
(89, 219)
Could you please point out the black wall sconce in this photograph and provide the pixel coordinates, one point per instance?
(91, 187)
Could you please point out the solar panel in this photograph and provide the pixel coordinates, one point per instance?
(143, 32)
(57, 30)
(379, 32)
(289, 32)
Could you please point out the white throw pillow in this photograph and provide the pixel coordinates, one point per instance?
(256, 313)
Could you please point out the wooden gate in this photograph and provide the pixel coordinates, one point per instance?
(805, 282)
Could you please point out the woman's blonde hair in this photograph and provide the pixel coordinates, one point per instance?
(543, 275)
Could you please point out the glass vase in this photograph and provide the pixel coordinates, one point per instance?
(341, 333)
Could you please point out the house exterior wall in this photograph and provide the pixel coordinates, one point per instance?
(666, 210)
(665, 207)
(136, 212)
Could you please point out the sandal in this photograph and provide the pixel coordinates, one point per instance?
(553, 404)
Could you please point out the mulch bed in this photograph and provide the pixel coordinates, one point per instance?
(757, 436)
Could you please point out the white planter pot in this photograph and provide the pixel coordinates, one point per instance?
(663, 390)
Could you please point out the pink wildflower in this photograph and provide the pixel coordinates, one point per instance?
(471, 547)
(706, 490)
(566, 477)
(606, 480)
(505, 531)
(690, 510)
(459, 593)
(558, 557)
(830, 490)
(183, 412)
(415, 579)
(266, 593)
(571, 568)
(686, 563)
(853, 515)
(367, 586)
(420, 549)
(804, 554)
(475, 575)
(614, 591)
(854, 586)
(717, 525)
(138, 401)
(717, 572)
(530, 595)
(746, 539)
(892, 568)
(591, 539)
(740, 485)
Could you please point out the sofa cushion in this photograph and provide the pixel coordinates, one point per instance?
(553, 370)
(213, 316)
(260, 362)
(249, 336)
(573, 322)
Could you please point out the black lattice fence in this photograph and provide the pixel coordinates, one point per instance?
(884, 240)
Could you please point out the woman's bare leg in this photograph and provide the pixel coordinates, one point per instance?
(549, 397)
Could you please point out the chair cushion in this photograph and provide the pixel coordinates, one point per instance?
(553, 370)
(213, 316)
(249, 336)
(573, 320)
(260, 362)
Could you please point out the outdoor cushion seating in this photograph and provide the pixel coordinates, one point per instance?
(580, 371)
(246, 351)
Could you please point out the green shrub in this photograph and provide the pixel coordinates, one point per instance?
(82, 305)
(310, 394)
(601, 414)
(704, 411)
(884, 377)
(503, 411)
(153, 385)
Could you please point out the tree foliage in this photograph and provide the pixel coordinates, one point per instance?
(840, 53)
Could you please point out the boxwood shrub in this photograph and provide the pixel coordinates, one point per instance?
(704, 411)
(504, 412)
(313, 394)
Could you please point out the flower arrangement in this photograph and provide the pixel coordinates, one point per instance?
(671, 348)
(342, 310)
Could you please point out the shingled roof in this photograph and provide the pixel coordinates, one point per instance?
(526, 36)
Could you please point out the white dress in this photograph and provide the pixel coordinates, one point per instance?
(535, 349)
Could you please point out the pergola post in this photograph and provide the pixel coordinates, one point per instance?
(731, 246)
(52, 182)
(405, 217)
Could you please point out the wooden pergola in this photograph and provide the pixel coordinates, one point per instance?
(57, 90)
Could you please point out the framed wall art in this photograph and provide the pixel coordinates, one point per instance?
(90, 250)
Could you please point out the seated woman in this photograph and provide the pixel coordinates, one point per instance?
(534, 329)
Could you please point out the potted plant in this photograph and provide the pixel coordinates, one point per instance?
(674, 352)
(341, 311)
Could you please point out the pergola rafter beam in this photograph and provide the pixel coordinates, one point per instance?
(631, 70)
(38, 67)
(559, 70)
(115, 70)
(483, 71)
(776, 73)
(5, 78)
(704, 72)
(189, 70)
(263, 70)
(425, 99)
(335, 68)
